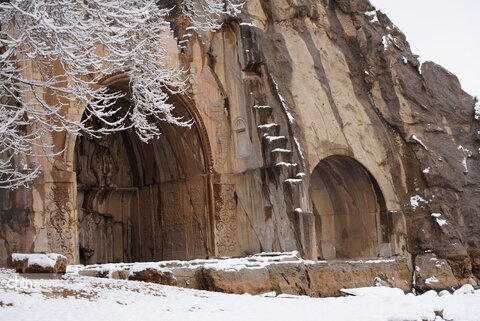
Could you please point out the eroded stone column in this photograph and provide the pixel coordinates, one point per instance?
(55, 215)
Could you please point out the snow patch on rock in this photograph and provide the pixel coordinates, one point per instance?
(416, 200)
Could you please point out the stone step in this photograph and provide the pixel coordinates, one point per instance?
(263, 114)
(279, 155)
(271, 142)
(270, 129)
(285, 170)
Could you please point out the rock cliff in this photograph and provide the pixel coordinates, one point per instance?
(316, 129)
(351, 82)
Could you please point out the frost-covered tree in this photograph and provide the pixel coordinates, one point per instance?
(207, 14)
(71, 45)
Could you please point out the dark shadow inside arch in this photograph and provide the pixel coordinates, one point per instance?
(350, 210)
(143, 201)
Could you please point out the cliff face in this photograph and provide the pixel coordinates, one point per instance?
(316, 129)
(355, 88)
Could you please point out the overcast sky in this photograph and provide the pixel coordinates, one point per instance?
(444, 31)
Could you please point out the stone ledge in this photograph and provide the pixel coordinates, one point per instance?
(280, 272)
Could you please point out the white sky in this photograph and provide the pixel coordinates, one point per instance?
(444, 31)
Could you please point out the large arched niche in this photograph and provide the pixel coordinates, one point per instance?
(350, 212)
(144, 201)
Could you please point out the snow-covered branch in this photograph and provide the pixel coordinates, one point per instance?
(54, 54)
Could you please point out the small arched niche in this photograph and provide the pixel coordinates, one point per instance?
(241, 140)
(350, 211)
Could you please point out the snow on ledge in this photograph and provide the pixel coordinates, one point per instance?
(286, 164)
(267, 125)
(255, 261)
(441, 222)
(248, 24)
(273, 138)
(415, 201)
(372, 16)
(47, 260)
(431, 280)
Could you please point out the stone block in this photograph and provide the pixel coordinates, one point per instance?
(289, 278)
(244, 280)
(152, 274)
(187, 277)
(39, 263)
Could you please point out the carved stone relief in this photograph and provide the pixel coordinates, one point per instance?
(173, 223)
(225, 219)
(87, 234)
(104, 165)
(61, 223)
(222, 131)
(197, 192)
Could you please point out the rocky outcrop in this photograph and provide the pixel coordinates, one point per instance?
(354, 87)
(432, 273)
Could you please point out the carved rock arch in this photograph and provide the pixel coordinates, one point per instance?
(186, 101)
(142, 202)
(350, 212)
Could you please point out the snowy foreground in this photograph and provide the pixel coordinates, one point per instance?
(86, 298)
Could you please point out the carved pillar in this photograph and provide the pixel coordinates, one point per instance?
(55, 214)
(226, 234)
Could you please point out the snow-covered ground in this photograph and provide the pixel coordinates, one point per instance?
(86, 298)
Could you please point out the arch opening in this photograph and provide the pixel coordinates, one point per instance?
(143, 201)
(350, 211)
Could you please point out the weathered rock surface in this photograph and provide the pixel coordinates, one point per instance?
(432, 273)
(355, 88)
(39, 263)
(153, 274)
(316, 129)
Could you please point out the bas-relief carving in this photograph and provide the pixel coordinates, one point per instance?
(173, 222)
(197, 190)
(183, 220)
(105, 165)
(92, 245)
(225, 220)
(222, 132)
(89, 225)
(61, 222)
(97, 161)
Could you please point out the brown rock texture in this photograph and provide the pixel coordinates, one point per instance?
(153, 275)
(432, 273)
(414, 122)
(316, 130)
